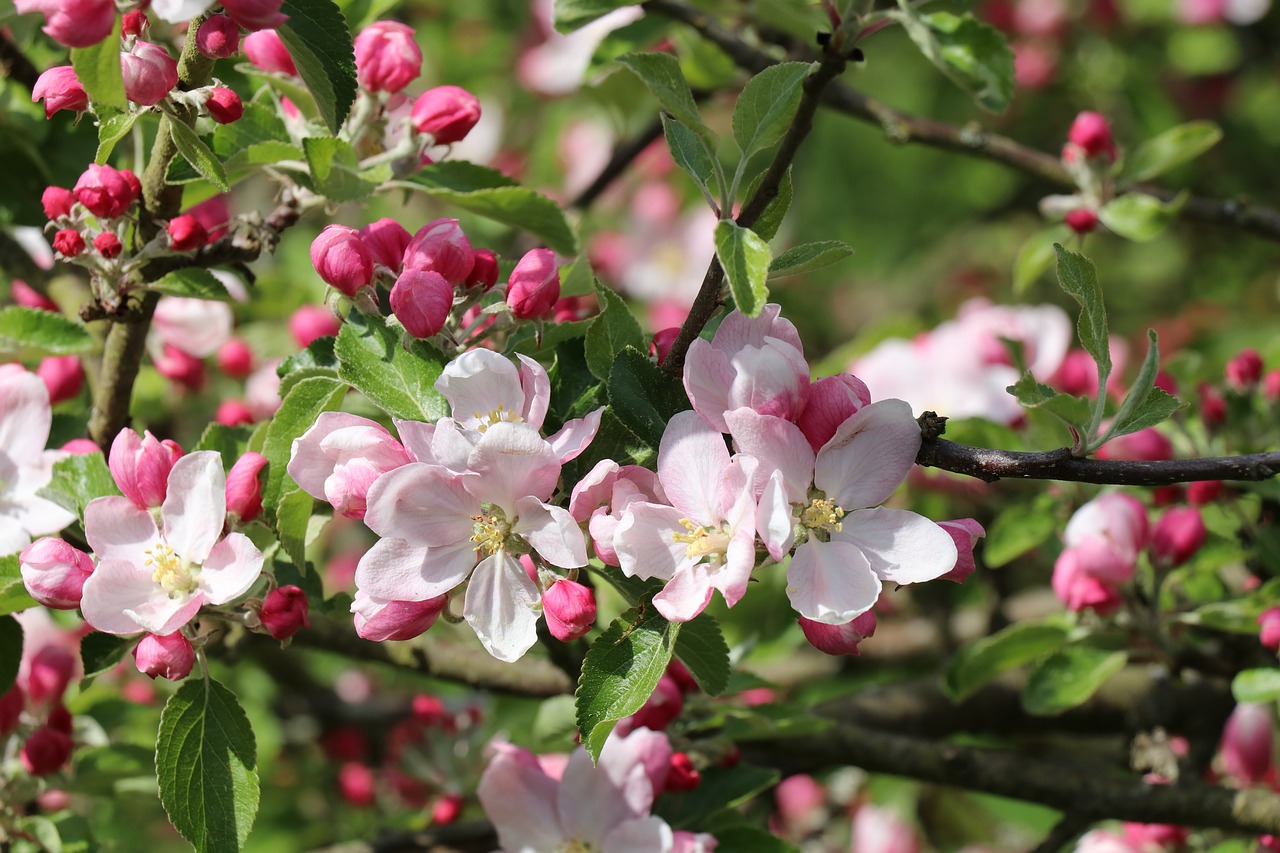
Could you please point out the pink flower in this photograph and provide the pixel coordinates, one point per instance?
(60, 89)
(170, 656)
(832, 400)
(964, 532)
(341, 259)
(484, 270)
(839, 639)
(603, 495)
(421, 301)
(1145, 445)
(340, 457)
(108, 245)
(880, 830)
(150, 73)
(446, 113)
(54, 572)
(74, 23)
(440, 246)
(379, 620)
(570, 609)
(1104, 841)
(1080, 590)
(140, 465)
(387, 56)
(1177, 537)
(284, 612)
(68, 243)
(25, 466)
(534, 285)
(49, 671)
(255, 15)
(1247, 744)
(155, 573)
(801, 802)
(1107, 534)
(218, 37)
(235, 358)
(265, 50)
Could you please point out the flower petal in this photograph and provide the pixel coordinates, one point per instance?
(650, 834)
(831, 582)
(552, 532)
(165, 615)
(421, 504)
(738, 331)
(416, 438)
(901, 546)
(591, 803)
(309, 465)
(478, 383)
(501, 606)
(537, 391)
(708, 375)
(692, 459)
(25, 416)
(117, 529)
(869, 456)
(195, 508)
(576, 435)
(230, 569)
(395, 570)
(686, 595)
(520, 799)
(513, 461)
(114, 587)
(778, 444)
(645, 541)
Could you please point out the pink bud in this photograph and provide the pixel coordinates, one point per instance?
(662, 342)
(180, 367)
(446, 810)
(1154, 836)
(1244, 371)
(108, 245)
(964, 532)
(60, 89)
(11, 706)
(140, 466)
(1080, 590)
(381, 620)
(170, 656)
(356, 784)
(57, 202)
(255, 15)
(341, 259)
(662, 707)
(134, 22)
(441, 247)
(682, 676)
(839, 639)
(1246, 747)
(233, 413)
(387, 56)
(244, 492)
(68, 242)
(74, 23)
(265, 50)
(386, 241)
(1082, 220)
(801, 802)
(46, 751)
(54, 572)
(1271, 385)
(570, 609)
(26, 295)
(1145, 445)
(235, 358)
(429, 710)
(1213, 408)
(80, 447)
(310, 322)
(218, 37)
(186, 233)
(150, 73)
(62, 375)
(214, 214)
(484, 271)
(224, 105)
(831, 401)
(534, 285)
(106, 192)
(1204, 492)
(682, 776)
(1269, 632)
(421, 302)
(48, 674)
(447, 113)
(1177, 537)
(1092, 132)
(284, 611)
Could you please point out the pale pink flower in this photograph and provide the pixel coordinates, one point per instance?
(195, 326)
(25, 465)
(1107, 534)
(1247, 747)
(340, 457)
(155, 573)
(1104, 841)
(140, 465)
(601, 497)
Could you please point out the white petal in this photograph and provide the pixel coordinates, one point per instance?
(513, 461)
(195, 326)
(24, 416)
(163, 615)
(831, 582)
(537, 391)
(778, 444)
(118, 530)
(692, 459)
(195, 507)
(13, 536)
(395, 570)
(646, 835)
(114, 590)
(686, 595)
(416, 438)
(869, 456)
(645, 543)
(739, 331)
(576, 435)
(502, 606)
(708, 375)
(774, 521)
(521, 801)
(552, 532)
(903, 547)
(478, 382)
(421, 504)
(231, 568)
(591, 803)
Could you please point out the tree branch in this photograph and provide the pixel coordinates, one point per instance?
(471, 837)
(14, 63)
(625, 152)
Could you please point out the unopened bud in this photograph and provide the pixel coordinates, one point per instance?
(356, 784)
(233, 413)
(60, 89)
(218, 37)
(1213, 408)
(341, 259)
(387, 56)
(68, 243)
(1269, 629)
(1092, 132)
(534, 285)
(441, 246)
(73, 23)
(1082, 220)
(244, 491)
(11, 707)
(447, 113)
(133, 23)
(662, 707)
(1246, 747)
(421, 302)
(170, 656)
(484, 270)
(386, 241)
(105, 192)
(57, 202)
(1177, 537)
(310, 322)
(446, 810)
(54, 572)
(284, 612)
(108, 245)
(570, 609)
(186, 233)
(839, 639)
(662, 342)
(46, 751)
(27, 296)
(1244, 371)
(224, 105)
(48, 674)
(140, 465)
(265, 50)
(63, 376)
(149, 72)
(235, 358)
(682, 775)
(255, 15)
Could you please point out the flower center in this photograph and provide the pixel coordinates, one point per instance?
(169, 571)
(822, 514)
(701, 543)
(573, 845)
(499, 415)
(490, 532)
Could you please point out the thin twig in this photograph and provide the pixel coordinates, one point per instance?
(626, 151)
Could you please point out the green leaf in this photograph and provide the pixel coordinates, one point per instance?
(298, 411)
(207, 767)
(635, 36)
(111, 129)
(1140, 217)
(399, 381)
(643, 396)
(569, 15)
(975, 56)
(100, 652)
(227, 441)
(690, 152)
(1257, 686)
(1068, 677)
(620, 672)
(192, 282)
(318, 359)
(195, 152)
(1079, 278)
(767, 106)
(613, 330)
(260, 124)
(661, 73)
(721, 789)
(293, 514)
(745, 258)
(491, 194)
(986, 659)
(98, 70)
(613, 441)
(1172, 148)
(11, 642)
(755, 840)
(13, 592)
(335, 169)
(576, 279)
(1017, 529)
(33, 331)
(319, 41)
(1073, 411)
(77, 480)
(1035, 256)
(43, 830)
(1145, 405)
(775, 211)
(701, 648)
(808, 257)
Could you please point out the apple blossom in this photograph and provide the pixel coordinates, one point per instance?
(964, 532)
(534, 285)
(60, 89)
(62, 375)
(186, 233)
(218, 37)
(140, 465)
(1269, 629)
(244, 491)
(1177, 536)
(150, 73)
(48, 673)
(108, 245)
(197, 327)
(68, 243)
(170, 656)
(284, 612)
(880, 830)
(421, 301)
(340, 458)
(46, 751)
(255, 15)
(603, 494)
(379, 619)
(73, 23)
(25, 465)
(341, 259)
(839, 639)
(106, 192)
(446, 113)
(224, 105)
(387, 56)
(310, 322)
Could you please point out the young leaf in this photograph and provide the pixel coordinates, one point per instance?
(620, 672)
(701, 648)
(99, 652)
(293, 514)
(569, 15)
(317, 37)
(975, 56)
(11, 642)
(1073, 411)
(661, 73)
(193, 282)
(98, 70)
(986, 659)
(32, 331)
(206, 762)
(13, 592)
(399, 381)
(335, 169)
(77, 480)
(1145, 405)
(1017, 529)
(745, 258)
(721, 789)
(614, 329)
(1140, 217)
(298, 411)
(1258, 686)
(111, 129)
(1079, 278)
(767, 105)
(1172, 148)
(1068, 678)
(1035, 256)
(691, 153)
(644, 397)
(808, 257)
(775, 211)
(318, 359)
(755, 840)
(195, 152)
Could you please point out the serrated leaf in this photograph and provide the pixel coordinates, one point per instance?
(11, 642)
(192, 282)
(808, 257)
(614, 329)
(1173, 147)
(767, 106)
(1068, 677)
(33, 331)
(100, 652)
(335, 169)
(661, 74)
(1017, 529)
(620, 672)
(1079, 278)
(745, 258)
(199, 155)
(298, 411)
(13, 592)
(399, 381)
(1256, 686)
(576, 279)
(1034, 257)
(1140, 217)
(319, 41)
(229, 442)
(98, 70)
(768, 223)
(1073, 411)
(207, 767)
(491, 194)
(293, 514)
(643, 396)
(78, 479)
(111, 129)
(702, 649)
(986, 659)
(690, 152)
(259, 124)
(975, 56)
(318, 359)
(1145, 405)
(569, 15)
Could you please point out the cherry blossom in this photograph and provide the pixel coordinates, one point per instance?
(25, 466)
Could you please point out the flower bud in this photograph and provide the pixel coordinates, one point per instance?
(256, 15)
(54, 572)
(133, 23)
(1082, 220)
(27, 296)
(341, 259)
(1246, 747)
(1078, 589)
(218, 37)
(429, 710)
(224, 105)
(356, 784)
(682, 775)
(386, 241)
(244, 491)
(80, 447)
(284, 611)
(387, 56)
(570, 609)
(1213, 408)
(831, 401)
(170, 656)
(534, 285)
(106, 192)
(140, 466)
(839, 639)
(441, 247)
(59, 719)
(73, 23)
(311, 322)
(46, 751)
(233, 413)
(60, 89)
(265, 50)
(880, 830)
(48, 674)
(1269, 629)
(108, 245)
(57, 202)
(446, 810)
(964, 532)
(801, 802)
(662, 342)
(1145, 445)
(68, 242)
(421, 302)
(11, 706)
(150, 73)
(214, 214)
(484, 270)
(1271, 385)
(1203, 492)
(1092, 132)
(447, 113)
(1177, 537)
(235, 358)
(380, 620)
(180, 367)
(1244, 371)
(63, 376)
(186, 233)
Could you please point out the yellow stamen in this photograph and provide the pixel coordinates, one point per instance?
(169, 571)
(822, 514)
(491, 532)
(702, 542)
(499, 415)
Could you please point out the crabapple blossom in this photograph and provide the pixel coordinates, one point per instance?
(60, 89)
(140, 465)
(68, 243)
(224, 105)
(340, 458)
(244, 491)
(106, 192)
(964, 532)
(310, 322)
(446, 113)
(57, 202)
(62, 376)
(421, 301)
(108, 245)
(484, 269)
(25, 465)
(441, 247)
(386, 241)
(1269, 629)
(45, 751)
(341, 259)
(881, 830)
(1177, 536)
(186, 233)
(832, 400)
(601, 497)
(255, 15)
(150, 73)
(73, 23)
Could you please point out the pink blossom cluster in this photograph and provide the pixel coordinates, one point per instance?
(1088, 156)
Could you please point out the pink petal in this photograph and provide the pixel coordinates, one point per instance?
(708, 376)
(686, 595)
(309, 465)
(163, 615)
(774, 520)
(591, 803)
(421, 504)
(692, 459)
(869, 456)
(230, 569)
(117, 529)
(738, 331)
(645, 543)
(773, 380)
(502, 606)
(513, 461)
(552, 532)
(778, 444)
(416, 438)
(594, 490)
(733, 577)
(576, 435)
(25, 416)
(831, 582)
(479, 382)
(901, 546)
(451, 446)
(521, 801)
(114, 587)
(195, 508)
(537, 391)
(395, 570)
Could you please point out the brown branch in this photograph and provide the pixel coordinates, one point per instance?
(472, 837)
(14, 63)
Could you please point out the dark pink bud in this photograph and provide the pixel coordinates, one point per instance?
(1213, 408)
(59, 719)
(265, 50)
(74, 23)
(341, 259)
(11, 705)
(133, 23)
(387, 56)
(570, 308)
(832, 400)
(214, 214)
(663, 706)
(1246, 747)
(441, 247)
(356, 784)
(1271, 386)
(839, 639)
(662, 342)
(1092, 132)
(1177, 537)
(62, 375)
(683, 678)
(447, 113)
(284, 611)
(150, 73)
(386, 241)
(1077, 375)
(1203, 492)
(1269, 629)
(135, 185)
(140, 465)
(964, 532)
(106, 192)
(233, 413)
(396, 620)
(429, 710)
(80, 447)
(46, 751)
(1166, 383)
(218, 37)
(186, 233)
(682, 775)
(1245, 370)
(54, 572)
(108, 245)
(446, 810)
(48, 674)
(255, 15)
(181, 367)
(224, 105)
(235, 358)
(570, 609)
(534, 285)
(57, 202)
(421, 302)
(60, 89)
(170, 656)
(68, 242)
(484, 270)
(26, 295)
(1082, 220)
(1145, 445)
(244, 491)
(310, 322)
